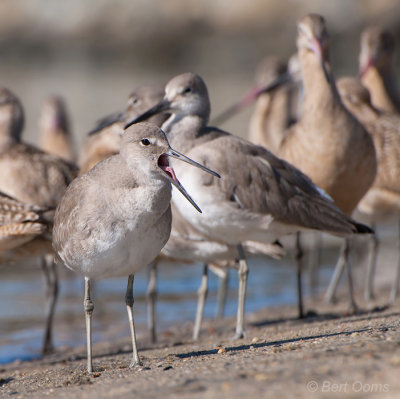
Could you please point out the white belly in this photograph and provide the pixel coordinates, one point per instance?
(220, 220)
(124, 250)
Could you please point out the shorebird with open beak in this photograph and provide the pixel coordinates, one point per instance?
(115, 219)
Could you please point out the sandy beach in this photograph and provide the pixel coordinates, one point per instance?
(329, 354)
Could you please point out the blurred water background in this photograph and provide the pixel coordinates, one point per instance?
(94, 54)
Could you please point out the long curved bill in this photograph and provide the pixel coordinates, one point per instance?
(250, 97)
(163, 105)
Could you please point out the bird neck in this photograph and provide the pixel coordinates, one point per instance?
(383, 89)
(11, 124)
(183, 132)
(321, 98)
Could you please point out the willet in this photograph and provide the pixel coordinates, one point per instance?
(114, 220)
(54, 129)
(376, 66)
(259, 197)
(32, 177)
(382, 200)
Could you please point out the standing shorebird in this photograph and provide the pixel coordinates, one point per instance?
(328, 133)
(376, 68)
(54, 129)
(382, 200)
(114, 220)
(33, 177)
(259, 197)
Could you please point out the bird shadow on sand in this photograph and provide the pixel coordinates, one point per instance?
(366, 316)
(312, 316)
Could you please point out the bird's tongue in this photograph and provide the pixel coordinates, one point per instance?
(164, 165)
(170, 172)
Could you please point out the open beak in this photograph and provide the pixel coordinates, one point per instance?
(169, 171)
(250, 97)
(163, 105)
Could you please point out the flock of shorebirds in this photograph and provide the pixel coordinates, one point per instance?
(318, 150)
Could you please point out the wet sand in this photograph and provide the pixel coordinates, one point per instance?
(329, 354)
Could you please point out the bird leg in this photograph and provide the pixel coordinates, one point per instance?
(369, 288)
(299, 257)
(202, 296)
(88, 306)
(353, 305)
(50, 273)
(129, 308)
(222, 292)
(242, 273)
(315, 260)
(395, 288)
(151, 301)
(337, 273)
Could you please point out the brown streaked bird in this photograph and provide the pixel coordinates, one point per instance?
(259, 197)
(19, 223)
(104, 140)
(34, 177)
(382, 200)
(54, 129)
(327, 132)
(376, 68)
(115, 219)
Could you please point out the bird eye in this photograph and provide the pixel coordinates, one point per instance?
(145, 142)
(134, 101)
(187, 90)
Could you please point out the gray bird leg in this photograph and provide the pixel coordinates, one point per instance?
(299, 258)
(51, 278)
(337, 273)
(395, 288)
(129, 308)
(151, 301)
(374, 244)
(88, 306)
(242, 273)
(222, 292)
(202, 296)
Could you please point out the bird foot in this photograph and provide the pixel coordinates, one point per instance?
(239, 335)
(135, 364)
(47, 349)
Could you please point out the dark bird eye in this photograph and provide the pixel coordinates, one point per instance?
(145, 141)
(187, 90)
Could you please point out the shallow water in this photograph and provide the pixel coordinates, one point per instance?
(270, 283)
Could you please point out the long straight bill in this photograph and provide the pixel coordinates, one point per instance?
(250, 97)
(175, 154)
